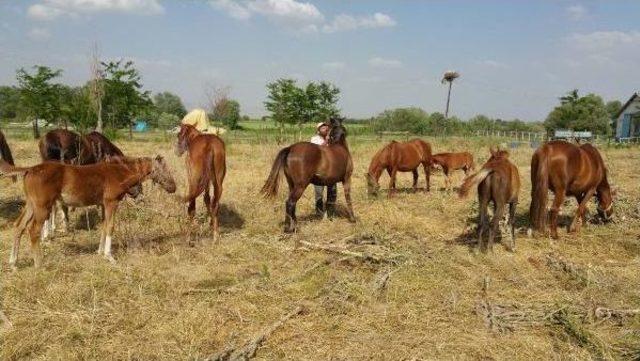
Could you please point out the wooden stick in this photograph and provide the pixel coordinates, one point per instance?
(345, 252)
(248, 351)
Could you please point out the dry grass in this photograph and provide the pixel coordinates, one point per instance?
(166, 300)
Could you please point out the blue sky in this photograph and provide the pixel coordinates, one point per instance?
(515, 57)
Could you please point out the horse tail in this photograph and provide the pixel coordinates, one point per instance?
(5, 152)
(473, 180)
(270, 187)
(7, 169)
(539, 189)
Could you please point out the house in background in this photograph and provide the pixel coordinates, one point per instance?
(628, 119)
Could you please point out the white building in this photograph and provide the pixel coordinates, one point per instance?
(628, 119)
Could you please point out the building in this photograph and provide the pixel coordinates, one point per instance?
(628, 119)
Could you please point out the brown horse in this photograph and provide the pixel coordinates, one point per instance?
(399, 157)
(5, 151)
(101, 148)
(206, 166)
(65, 146)
(498, 181)
(453, 161)
(305, 163)
(567, 170)
(80, 186)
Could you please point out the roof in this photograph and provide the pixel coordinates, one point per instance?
(624, 107)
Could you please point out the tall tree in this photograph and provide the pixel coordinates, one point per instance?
(9, 101)
(124, 97)
(579, 113)
(170, 103)
(96, 85)
(448, 77)
(39, 96)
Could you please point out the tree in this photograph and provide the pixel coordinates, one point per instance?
(231, 115)
(96, 85)
(77, 107)
(579, 113)
(39, 96)
(124, 97)
(414, 120)
(448, 77)
(169, 103)
(9, 101)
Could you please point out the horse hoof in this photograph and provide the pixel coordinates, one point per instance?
(110, 258)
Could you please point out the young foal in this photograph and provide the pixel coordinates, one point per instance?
(498, 181)
(206, 164)
(97, 184)
(453, 161)
(399, 157)
(567, 170)
(305, 163)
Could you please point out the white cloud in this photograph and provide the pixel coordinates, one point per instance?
(602, 41)
(576, 12)
(39, 34)
(344, 22)
(334, 65)
(233, 8)
(52, 9)
(287, 10)
(493, 64)
(378, 62)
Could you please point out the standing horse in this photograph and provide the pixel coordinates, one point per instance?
(304, 163)
(5, 151)
(399, 157)
(65, 146)
(206, 166)
(101, 148)
(498, 181)
(567, 170)
(80, 186)
(453, 161)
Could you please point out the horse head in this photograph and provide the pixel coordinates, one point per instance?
(605, 196)
(372, 184)
(337, 133)
(497, 153)
(160, 174)
(186, 133)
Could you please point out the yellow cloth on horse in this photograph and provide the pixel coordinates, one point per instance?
(198, 118)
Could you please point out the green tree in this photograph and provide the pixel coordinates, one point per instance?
(38, 95)
(170, 103)
(579, 113)
(77, 108)
(414, 120)
(124, 98)
(229, 115)
(9, 102)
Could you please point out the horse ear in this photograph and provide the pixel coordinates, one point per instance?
(159, 158)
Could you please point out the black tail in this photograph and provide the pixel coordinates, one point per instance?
(539, 190)
(5, 152)
(270, 187)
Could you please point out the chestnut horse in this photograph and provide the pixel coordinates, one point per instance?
(304, 163)
(567, 170)
(453, 161)
(206, 166)
(5, 151)
(399, 157)
(80, 186)
(65, 146)
(498, 181)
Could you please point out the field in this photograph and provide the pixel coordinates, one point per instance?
(414, 290)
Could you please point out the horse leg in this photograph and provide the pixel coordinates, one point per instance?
(427, 175)
(578, 219)
(512, 223)
(109, 212)
(415, 179)
(555, 209)
(498, 214)
(40, 215)
(290, 219)
(392, 182)
(207, 198)
(23, 221)
(332, 195)
(445, 170)
(214, 209)
(319, 197)
(483, 204)
(191, 212)
(346, 185)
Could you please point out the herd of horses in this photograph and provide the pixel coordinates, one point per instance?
(80, 171)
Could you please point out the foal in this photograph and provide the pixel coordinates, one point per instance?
(399, 157)
(498, 181)
(453, 161)
(97, 184)
(206, 166)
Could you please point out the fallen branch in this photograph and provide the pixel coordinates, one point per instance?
(607, 313)
(362, 256)
(248, 351)
(5, 321)
(575, 272)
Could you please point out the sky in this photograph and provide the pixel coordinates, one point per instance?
(515, 57)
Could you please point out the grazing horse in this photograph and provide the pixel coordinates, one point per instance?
(101, 147)
(498, 181)
(304, 163)
(206, 166)
(399, 157)
(453, 161)
(5, 151)
(80, 186)
(65, 146)
(567, 170)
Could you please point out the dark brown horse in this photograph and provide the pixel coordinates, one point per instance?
(5, 151)
(567, 170)
(65, 146)
(102, 184)
(304, 163)
(206, 167)
(453, 161)
(399, 157)
(499, 182)
(101, 147)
